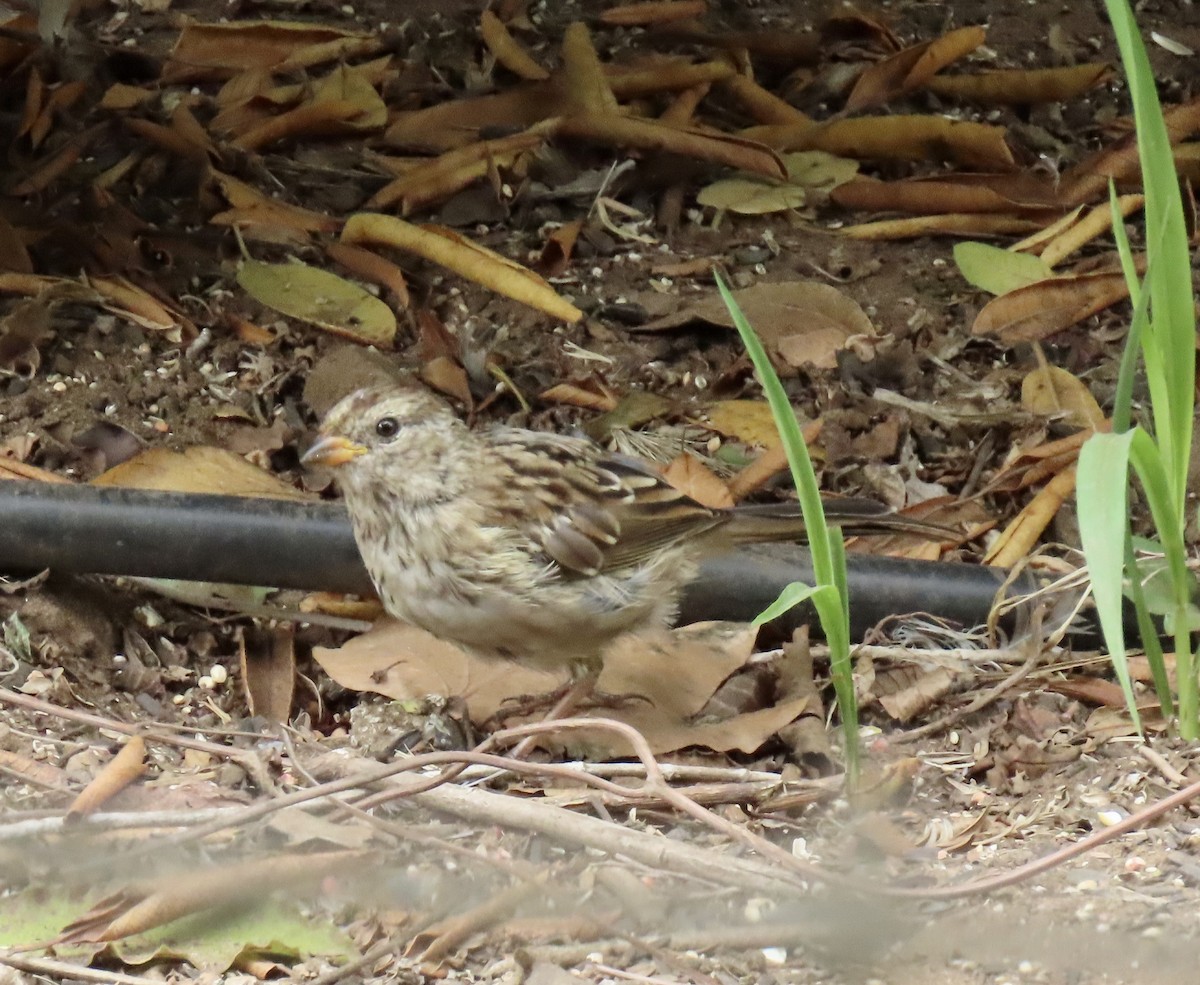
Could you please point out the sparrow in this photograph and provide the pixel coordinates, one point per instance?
(525, 545)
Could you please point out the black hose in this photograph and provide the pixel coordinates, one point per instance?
(187, 536)
(287, 544)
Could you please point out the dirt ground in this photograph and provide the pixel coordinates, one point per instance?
(1040, 766)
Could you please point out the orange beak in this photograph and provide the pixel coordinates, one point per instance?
(331, 451)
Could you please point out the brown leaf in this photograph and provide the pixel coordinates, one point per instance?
(1090, 690)
(127, 299)
(199, 469)
(801, 323)
(459, 122)
(45, 775)
(750, 421)
(373, 268)
(1019, 538)
(924, 196)
(55, 165)
(447, 375)
(1039, 463)
(653, 12)
(959, 224)
(1017, 87)
(1039, 310)
(254, 207)
(445, 247)
(608, 129)
(1088, 180)
(327, 118)
(1052, 391)
(666, 76)
(1096, 223)
(693, 478)
(590, 394)
(761, 104)
(22, 329)
(556, 253)
(676, 673)
(218, 51)
(911, 68)
(142, 907)
(268, 662)
(13, 254)
(508, 50)
(454, 170)
(120, 771)
(402, 662)
(769, 464)
(583, 78)
(903, 138)
(915, 692)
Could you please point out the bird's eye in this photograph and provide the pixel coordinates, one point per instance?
(387, 427)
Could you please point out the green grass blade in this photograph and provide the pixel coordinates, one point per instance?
(791, 596)
(1102, 494)
(1172, 310)
(826, 545)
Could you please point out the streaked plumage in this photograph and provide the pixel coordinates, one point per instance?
(521, 544)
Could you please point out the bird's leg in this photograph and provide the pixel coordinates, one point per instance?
(569, 699)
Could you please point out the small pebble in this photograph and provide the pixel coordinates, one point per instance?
(748, 256)
(775, 955)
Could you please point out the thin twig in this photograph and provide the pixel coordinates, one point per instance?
(60, 970)
(246, 760)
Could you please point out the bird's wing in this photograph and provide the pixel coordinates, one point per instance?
(591, 511)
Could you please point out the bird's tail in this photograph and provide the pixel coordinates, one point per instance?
(762, 522)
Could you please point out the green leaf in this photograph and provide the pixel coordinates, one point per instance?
(825, 543)
(1102, 495)
(999, 271)
(320, 298)
(791, 596)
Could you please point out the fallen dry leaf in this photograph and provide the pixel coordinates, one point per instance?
(1020, 537)
(169, 898)
(1096, 223)
(199, 470)
(1039, 310)
(741, 152)
(1018, 87)
(508, 50)
(911, 68)
(447, 248)
(801, 323)
(219, 51)
(903, 138)
(1007, 194)
(750, 421)
(762, 104)
(692, 477)
(958, 224)
(119, 772)
(268, 664)
(454, 170)
(1052, 391)
(674, 672)
(653, 12)
(583, 79)
(403, 662)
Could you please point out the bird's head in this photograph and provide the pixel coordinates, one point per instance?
(397, 436)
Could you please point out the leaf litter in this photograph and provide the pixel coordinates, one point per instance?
(299, 135)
